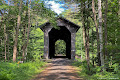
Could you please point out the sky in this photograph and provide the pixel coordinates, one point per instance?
(56, 7)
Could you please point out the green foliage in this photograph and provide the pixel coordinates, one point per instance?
(60, 47)
(39, 14)
(113, 39)
(96, 72)
(36, 45)
(79, 44)
(3, 7)
(21, 71)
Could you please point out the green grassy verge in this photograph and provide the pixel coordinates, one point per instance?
(23, 71)
(95, 72)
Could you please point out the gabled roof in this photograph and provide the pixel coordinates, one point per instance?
(66, 20)
(63, 20)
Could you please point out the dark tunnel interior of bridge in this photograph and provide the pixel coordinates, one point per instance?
(62, 34)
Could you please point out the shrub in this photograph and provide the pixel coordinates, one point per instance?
(23, 71)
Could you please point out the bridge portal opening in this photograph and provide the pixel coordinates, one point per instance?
(60, 48)
(62, 34)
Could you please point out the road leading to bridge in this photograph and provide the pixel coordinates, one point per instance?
(59, 69)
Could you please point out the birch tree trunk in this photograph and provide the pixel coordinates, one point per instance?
(17, 32)
(100, 32)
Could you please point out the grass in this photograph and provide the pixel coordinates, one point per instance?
(22, 71)
(95, 72)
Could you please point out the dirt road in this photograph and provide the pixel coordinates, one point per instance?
(59, 69)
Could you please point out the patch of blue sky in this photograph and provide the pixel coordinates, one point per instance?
(56, 6)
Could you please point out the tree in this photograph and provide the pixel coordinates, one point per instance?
(85, 33)
(100, 32)
(97, 34)
(29, 24)
(24, 32)
(5, 37)
(105, 30)
(17, 32)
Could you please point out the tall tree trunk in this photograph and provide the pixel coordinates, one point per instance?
(83, 26)
(100, 32)
(28, 30)
(24, 33)
(17, 32)
(5, 39)
(92, 48)
(8, 48)
(97, 34)
(8, 37)
(87, 44)
(1, 23)
(24, 43)
(29, 23)
(105, 29)
(85, 35)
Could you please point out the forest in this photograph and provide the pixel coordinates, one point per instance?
(97, 41)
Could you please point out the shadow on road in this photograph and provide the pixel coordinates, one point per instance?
(59, 69)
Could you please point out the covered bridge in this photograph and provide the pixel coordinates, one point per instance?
(66, 32)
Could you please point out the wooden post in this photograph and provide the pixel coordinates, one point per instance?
(46, 45)
(73, 46)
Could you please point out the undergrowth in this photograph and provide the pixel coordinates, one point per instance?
(95, 72)
(22, 71)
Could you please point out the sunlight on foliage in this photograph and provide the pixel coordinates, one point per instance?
(60, 47)
(25, 71)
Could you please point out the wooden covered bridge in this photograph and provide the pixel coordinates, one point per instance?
(66, 32)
